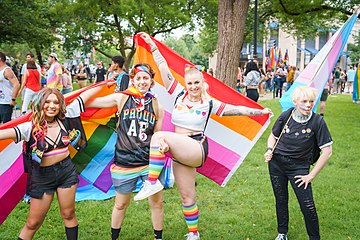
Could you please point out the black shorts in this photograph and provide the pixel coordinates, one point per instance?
(203, 141)
(6, 111)
(48, 179)
(324, 95)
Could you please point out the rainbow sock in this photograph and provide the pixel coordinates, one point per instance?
(156, 163)
(191, 215)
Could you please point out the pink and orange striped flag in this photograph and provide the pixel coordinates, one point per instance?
(230, 138)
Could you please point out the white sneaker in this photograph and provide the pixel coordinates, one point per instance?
(148, 189)
(281, 236)
(192, 236)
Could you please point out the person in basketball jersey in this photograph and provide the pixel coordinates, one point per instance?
(139, 117)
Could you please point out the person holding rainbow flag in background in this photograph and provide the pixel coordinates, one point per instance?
(191, 112)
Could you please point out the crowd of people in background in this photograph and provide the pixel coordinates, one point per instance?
(278, 81)
(270, 81)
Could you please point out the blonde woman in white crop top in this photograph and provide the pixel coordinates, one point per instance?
(187, 144)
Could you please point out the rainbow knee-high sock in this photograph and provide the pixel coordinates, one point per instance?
(191, 215)
(156, 163)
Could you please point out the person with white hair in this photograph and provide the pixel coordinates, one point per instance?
(296, 136)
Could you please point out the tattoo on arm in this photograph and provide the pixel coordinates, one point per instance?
(233, 112)
(237, 112)
(254, 112)
(12, 77)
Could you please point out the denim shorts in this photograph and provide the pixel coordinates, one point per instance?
(129, 183)
(48, 179)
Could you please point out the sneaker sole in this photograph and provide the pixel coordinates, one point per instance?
(139, 199)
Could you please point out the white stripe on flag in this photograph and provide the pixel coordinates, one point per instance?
(9, 155)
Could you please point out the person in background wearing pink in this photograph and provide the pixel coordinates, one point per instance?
(67, 81)
(53, 79)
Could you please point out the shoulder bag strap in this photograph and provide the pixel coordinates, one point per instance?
(282, 131)
(155, 104)
(208, 116)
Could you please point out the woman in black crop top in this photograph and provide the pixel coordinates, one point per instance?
(291, 146)
(188, 145)
(47, 137)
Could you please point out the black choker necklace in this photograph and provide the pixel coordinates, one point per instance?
(300, 117)
(52, 121)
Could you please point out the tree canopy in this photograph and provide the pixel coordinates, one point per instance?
(104, 24)
(27, 22)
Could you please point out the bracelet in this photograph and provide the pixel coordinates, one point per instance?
(13, 99)
(269, 148)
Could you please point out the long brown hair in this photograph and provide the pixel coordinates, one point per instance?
(31, 65)
(38, 116)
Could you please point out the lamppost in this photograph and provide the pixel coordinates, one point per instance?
(255, 29)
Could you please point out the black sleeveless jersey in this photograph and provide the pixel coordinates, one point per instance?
(134, 134)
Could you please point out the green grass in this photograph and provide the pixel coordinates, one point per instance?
(245, 208)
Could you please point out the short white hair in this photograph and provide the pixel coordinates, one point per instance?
(302, 92)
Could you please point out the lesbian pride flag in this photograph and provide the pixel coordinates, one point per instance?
(230, 137)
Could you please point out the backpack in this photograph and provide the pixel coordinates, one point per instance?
(122, 83)
(316, 150)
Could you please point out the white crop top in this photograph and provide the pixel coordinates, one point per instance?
(191, 118)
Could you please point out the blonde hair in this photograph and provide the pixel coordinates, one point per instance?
(302, 92)
(197, 74)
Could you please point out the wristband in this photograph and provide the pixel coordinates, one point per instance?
(13, 99)
(269, 148)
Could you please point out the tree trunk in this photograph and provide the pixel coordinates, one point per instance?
(231, 29)
(39, 55)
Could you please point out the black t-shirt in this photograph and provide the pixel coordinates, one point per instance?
(299, 139)
(100, 74)
(134, 134)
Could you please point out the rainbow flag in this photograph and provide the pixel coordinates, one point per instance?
(93, 163)
(286, 57)
(317, 72)
(273, 62)
(356, 84)
(230, 138)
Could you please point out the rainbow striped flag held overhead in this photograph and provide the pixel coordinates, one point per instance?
(230, 138)
(317, 72)
(356, 84)
(92, 164)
